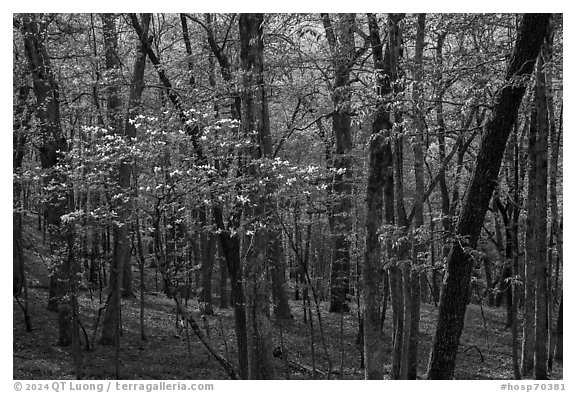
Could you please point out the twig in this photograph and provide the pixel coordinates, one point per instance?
(88, 347)
(200, 334)
(479, 351)
(314, 292)
(22, 357)
(223, 336)
(26, 316)
(484, 322)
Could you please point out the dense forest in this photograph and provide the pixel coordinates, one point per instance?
(287, 196)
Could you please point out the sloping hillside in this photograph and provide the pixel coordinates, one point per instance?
(485, 351)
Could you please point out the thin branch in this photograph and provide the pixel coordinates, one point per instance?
(441, 171)
(329, 29)
(228, 31)
(291, 131)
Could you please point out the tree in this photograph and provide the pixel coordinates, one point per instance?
(380, 159)
(325, 154)
(111, 324)
(419, 246)
(134, 107)
(341, 40)
(52, 149)
(559, 348)
(255, 126)
(536, 231)
(21, 125)
(207, 239)
(554, 143)
(455, 291)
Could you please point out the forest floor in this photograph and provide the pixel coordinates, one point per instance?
(485, 348)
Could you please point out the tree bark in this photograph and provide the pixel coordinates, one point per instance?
(554, 150)
(536, 219)
(455, 291)
(341, 41)
(21, 124)
(121, 250)
(228, 232)
(445, 197)
(231, 249)
(504, 285)
(379, 160)
(255, 126)
(224, 300)
(207, 239)
(515, 192)
(278, 276)
(419, 245)
(52, 148)
(559, 348)
(208, 257)
(134, 104)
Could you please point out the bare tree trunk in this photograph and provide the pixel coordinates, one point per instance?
(141, 263)
(208, 257)
(505, 286)
(445, 197)
(515, 191)
(419, 245)
(553, 182)
(559, 349)
(207, 239)
(402, 247)
(121, 251)
(397, 319)
(455, 291)
(256, 126)
(229, 240)
(188, 45)
(379, 161)
(278, 276)
(341, 40)
(231, 250)
(224, 296)
(21, 123)
(52, 147)
(536, 217)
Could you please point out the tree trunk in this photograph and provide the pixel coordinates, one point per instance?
(378, 162)
(445, 197)
(231, 250)
(224, 296)
(536, 219)
(419, 245)
(208, 256)
(402, 248)
(229, 238)
(553, 182)
(455, 291)
(141, 264)
(255, 125)
(52, 147)
(188, 45)
(121, 250)
(278, 277)
(207, 239)
(397, 298)
(21, 124)
(341, 41)
(515, 192)
(559, 349)
(505, 286)
(134, 103)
